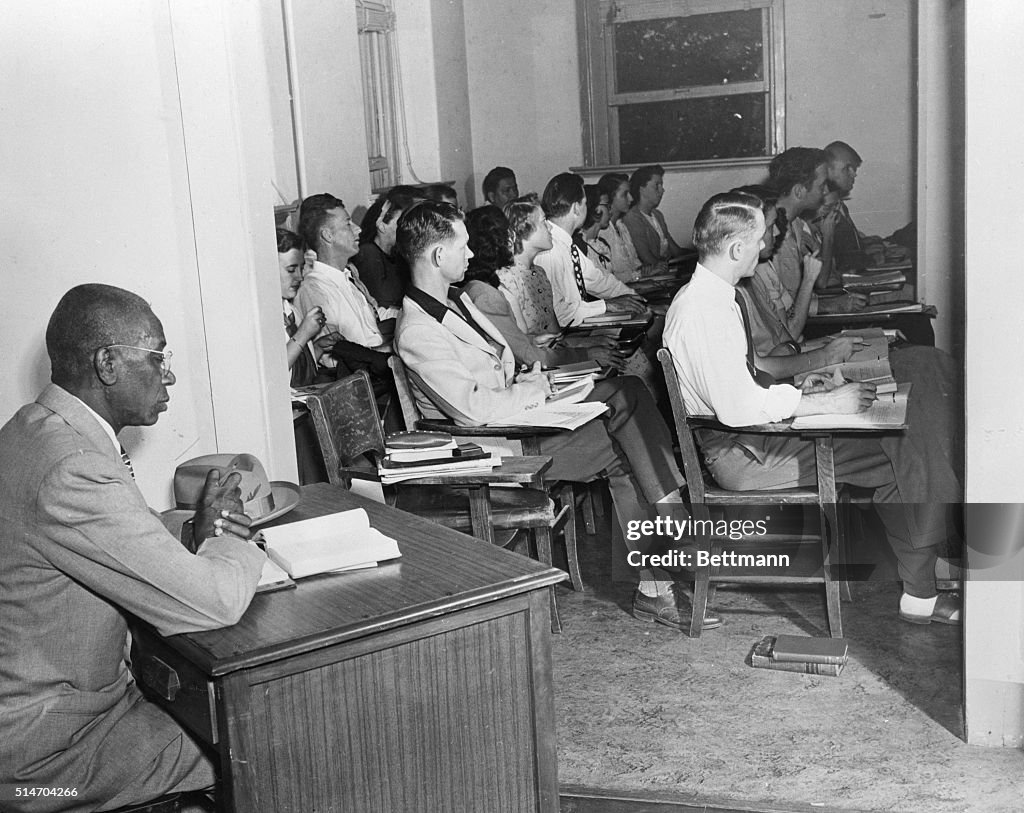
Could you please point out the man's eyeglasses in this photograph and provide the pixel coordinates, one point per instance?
(165, 355)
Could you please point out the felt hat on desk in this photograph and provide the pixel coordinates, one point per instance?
(262, 499)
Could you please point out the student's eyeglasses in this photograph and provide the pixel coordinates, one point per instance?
(165, 355)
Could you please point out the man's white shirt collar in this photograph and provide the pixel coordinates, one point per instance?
(102, 422)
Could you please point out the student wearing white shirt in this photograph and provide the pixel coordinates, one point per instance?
(580, 288)
(912, 478)
(461, 367)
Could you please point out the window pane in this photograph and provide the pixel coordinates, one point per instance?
(693, 51)
(693, 129)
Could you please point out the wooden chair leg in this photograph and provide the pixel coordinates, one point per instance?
(542, 538)
(566, 499)
(589, 520)
(831, 534)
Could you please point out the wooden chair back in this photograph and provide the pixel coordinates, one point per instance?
(347, 424)
(693, 470)
(410, 412)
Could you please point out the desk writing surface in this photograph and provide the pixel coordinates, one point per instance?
(440, 570)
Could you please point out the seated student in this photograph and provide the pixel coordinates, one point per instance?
(847, 247)
(384, 275)
(489, 242)
(624, 262)
(798, 177)
(81, 551)
(580, 288)
(526, 286)
(912, 475)
(304, 368)
(348, 307)
(646, 223)
(301, 363)
(441, 192)
(779, 350)
(587, 237)
(461, 368)
(500, 187)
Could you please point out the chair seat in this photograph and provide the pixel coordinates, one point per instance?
(510, 507)
(794, 496)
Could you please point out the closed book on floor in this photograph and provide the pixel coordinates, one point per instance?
(800, 648)
(761, 658)
(332, 542)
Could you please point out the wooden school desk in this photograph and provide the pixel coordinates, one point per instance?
(419, 685)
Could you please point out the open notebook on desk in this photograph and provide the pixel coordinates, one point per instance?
(889, 411)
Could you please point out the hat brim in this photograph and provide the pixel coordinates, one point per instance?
(286, 497)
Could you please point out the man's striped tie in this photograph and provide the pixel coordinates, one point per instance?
(127, 462)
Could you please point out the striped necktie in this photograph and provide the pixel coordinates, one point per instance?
(127, 462)
(577, 272)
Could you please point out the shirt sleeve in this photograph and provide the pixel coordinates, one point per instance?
(101, 533)
(715, 360)
(570, 309)
(601, 283)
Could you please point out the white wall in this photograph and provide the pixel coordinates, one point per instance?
(994, 678)
(327, 56)
(523, 89)
(96, 188)
(849, 76)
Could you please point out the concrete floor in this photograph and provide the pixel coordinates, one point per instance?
(643, 709)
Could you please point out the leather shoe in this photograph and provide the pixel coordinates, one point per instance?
(947, 605)
(664, 609)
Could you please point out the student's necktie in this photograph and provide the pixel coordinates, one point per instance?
(127, 462)
(762, 378)
(577, 271)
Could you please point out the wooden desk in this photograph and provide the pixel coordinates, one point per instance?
(420, 685)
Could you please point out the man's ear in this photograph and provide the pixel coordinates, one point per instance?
(735, 250)
(103, 364)
(436, 255)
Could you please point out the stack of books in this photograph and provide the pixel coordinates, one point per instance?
(408, 455)
(890, 278)
(797, 653)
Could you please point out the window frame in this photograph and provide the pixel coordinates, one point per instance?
(599, 100)
(376, 31)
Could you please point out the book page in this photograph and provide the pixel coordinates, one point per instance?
(889, 411)
(557, 415)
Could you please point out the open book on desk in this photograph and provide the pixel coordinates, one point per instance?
(869, 363)
(889, 411)
(340, 541)
(557, 415)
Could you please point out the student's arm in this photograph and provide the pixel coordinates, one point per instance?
(786, 366)
(845, 399)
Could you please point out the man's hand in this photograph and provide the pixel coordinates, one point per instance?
(325, 343)
(534, 374)
(220, 509)
(311, 324)
(608, 357)
(841, 348)
(847, 399)
(817, 382)
(812, 270)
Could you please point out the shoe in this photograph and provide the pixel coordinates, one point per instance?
(664, 609)
(946, 606)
